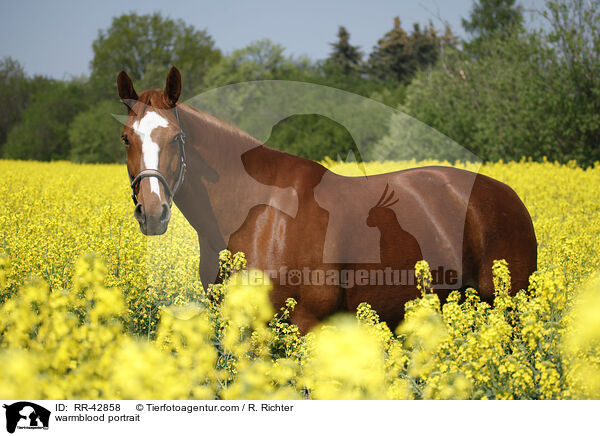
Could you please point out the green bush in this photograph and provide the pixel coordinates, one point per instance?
(42, 133)
(94, 134)
(533, 94)
(496, 107)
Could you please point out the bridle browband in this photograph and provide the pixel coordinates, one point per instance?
(180, 138)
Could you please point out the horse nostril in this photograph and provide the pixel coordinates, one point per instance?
(138, 213)
(166, 213)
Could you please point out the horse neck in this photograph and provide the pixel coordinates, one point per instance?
(213, 142)
(226, 153)
(229, 173)
(214, 180)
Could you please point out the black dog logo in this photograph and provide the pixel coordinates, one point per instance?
(26, 415)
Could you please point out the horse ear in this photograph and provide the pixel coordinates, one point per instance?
(173, 86)
(125, 86)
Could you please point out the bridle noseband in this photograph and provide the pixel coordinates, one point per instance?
(135, 181)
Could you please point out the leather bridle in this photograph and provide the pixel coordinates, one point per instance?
(135, 181)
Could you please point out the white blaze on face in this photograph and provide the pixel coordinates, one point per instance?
(150, 149)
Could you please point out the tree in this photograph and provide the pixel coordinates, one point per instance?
(15, 91)
(94, 134)
(496, 106)
(311, 136)
(399, 55)
(259, 60)
(344, 57)
(13, 95)
(530, 94)
(344, 68)
(526, 94)
(492, 18)
(574, 37)
(42, 133)
(146, 46)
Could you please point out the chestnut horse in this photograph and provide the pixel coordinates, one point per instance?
(314, 230)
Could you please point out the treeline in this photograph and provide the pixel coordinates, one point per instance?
(510, 90)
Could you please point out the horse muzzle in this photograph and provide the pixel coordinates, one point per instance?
(154, 221)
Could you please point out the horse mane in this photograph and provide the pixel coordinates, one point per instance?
(224, 129)
(222, 126)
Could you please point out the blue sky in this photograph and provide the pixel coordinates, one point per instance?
(55, 37)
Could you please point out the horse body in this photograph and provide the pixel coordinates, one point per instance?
(279, 210)
(292, 216)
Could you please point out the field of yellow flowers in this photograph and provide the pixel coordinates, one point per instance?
(92, 309)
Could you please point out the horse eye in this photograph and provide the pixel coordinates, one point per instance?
(124, 139)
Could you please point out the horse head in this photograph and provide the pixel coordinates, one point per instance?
(155, 145)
